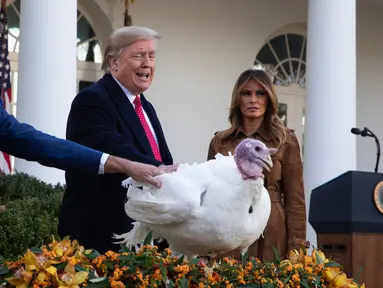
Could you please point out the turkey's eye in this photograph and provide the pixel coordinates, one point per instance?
(251, 209)
(257, 148)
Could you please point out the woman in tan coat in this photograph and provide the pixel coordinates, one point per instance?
(253, 113)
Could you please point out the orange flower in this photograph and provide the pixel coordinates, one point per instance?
(112, 255)
(157, 275)
(296, 278)
(117, 284)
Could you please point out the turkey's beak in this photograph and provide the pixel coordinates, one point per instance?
(268, 163)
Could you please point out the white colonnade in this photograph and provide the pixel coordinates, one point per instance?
(47, 72)
(330, 148)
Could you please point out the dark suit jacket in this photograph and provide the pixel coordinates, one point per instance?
(23, 141)
(102, 117)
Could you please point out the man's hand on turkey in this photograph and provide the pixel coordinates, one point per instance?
(169, 168)
(144, 173)
(138, 171)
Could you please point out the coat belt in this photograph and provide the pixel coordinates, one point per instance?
(275, 196)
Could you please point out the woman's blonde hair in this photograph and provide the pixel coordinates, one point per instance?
(272, 123)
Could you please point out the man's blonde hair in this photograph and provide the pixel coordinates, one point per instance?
(123, 37)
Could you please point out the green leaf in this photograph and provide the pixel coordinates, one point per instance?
(287, 279)
(99, 284)
(163, 271)
(148, 238)
(266, 285)
(318, 259)
(130, 257)
(93, 255)
(124, 248)
(356, 278)
(60, 266)
(4, 270)
(195, 272)
(245, 256)
(305, 284)
(109, 265)
(36, 250)
(184, 283)
(194, 261)
(179, 260)
(79, 268)
(97, 279)
(92, 276)
(332, 264)
(317, 281)
(276, 255)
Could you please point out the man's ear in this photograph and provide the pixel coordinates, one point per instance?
(113, 64)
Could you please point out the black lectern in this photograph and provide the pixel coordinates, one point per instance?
(344, 213)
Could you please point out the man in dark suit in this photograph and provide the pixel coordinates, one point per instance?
(114, 116)
(24, 141)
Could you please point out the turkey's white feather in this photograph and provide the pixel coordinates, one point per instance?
(200, 209)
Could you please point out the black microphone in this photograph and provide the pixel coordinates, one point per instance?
(367, 132)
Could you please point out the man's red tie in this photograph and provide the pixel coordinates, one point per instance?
(149, 134)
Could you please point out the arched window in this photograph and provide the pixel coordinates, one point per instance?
(285, 57)
(88, 46)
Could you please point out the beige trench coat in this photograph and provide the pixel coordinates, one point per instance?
(286, 228)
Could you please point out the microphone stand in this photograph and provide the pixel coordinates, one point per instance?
(371, 134)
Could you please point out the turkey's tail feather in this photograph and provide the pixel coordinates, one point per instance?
(134, 236)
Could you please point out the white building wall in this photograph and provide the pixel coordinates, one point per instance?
(369, 83)
(205, 46)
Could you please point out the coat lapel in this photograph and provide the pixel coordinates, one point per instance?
(126, 110)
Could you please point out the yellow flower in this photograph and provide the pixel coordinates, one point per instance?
(329, 274)
(63, 248)
(319, 257)
(352, 284)
(21, 278)
(285, 262)
(70, 278)
(41, 264)
(340, 280)
(294, 256)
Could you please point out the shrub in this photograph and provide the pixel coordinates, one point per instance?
(31, 213)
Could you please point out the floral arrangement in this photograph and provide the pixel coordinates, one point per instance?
(66, 264)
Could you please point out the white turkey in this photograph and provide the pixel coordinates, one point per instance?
(204, 209)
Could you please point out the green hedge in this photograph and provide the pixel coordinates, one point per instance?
(31, 214)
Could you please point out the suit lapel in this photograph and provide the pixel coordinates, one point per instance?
(126, 110)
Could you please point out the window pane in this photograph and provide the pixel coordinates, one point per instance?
(279, 45)
(265, 56)
(295, 45)
(84, 30)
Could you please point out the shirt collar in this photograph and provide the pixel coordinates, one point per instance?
(130, 96)
(261, 132)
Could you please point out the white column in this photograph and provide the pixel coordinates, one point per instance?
(330, 148)
(47, 72)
